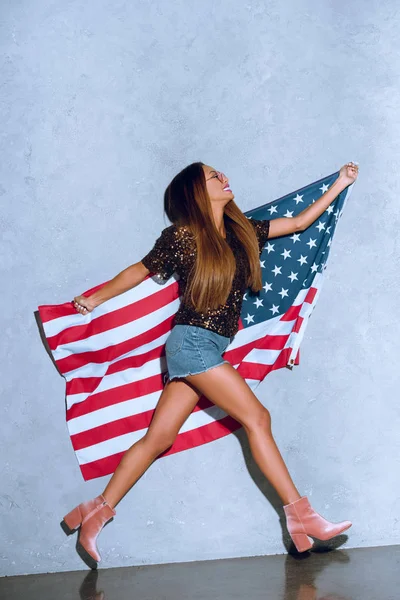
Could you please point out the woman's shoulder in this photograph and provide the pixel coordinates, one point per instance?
(176, 236)
(261, 228)
(260, 225)
(179, 232)
(257, 222)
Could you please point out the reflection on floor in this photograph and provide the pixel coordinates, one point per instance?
(354, 574)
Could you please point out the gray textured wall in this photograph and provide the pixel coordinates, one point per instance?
(101, 104)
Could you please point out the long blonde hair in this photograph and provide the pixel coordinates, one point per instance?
(186, 202)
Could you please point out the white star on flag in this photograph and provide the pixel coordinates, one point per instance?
(269, 247)
(277, 271)
(312, 243)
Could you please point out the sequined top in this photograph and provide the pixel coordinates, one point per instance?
(175, 252)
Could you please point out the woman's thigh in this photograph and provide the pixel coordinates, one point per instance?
(226, 388)
(176, 403)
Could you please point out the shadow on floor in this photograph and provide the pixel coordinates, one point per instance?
(354, 574)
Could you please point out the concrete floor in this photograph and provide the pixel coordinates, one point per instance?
(355, 574)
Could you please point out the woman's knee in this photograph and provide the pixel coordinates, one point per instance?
(259, 421)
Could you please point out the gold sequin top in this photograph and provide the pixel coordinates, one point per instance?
(175, 252)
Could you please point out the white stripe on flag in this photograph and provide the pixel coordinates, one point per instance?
(123, 442)
(146, 289)
(120, 334)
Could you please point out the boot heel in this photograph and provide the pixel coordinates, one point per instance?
(71, 521)
(302, 541)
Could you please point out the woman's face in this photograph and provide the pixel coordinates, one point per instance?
(217, 186)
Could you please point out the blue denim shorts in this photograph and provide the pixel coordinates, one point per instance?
(190, 350)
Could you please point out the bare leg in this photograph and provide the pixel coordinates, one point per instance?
(225, 387)
(176, 402)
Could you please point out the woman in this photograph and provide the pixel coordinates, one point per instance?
(215, 249)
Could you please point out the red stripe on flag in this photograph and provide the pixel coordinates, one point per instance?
(311, 295)
(129, 391)
(292, 313)
(298, 324)
(113, 429)
(75, 361)
(116, 318)
(251, 370)
(89, 384)
(49, 312)
(268, 342)
(184, 441)
(82, 385)
(203, 435)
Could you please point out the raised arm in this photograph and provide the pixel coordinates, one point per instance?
(285, 225)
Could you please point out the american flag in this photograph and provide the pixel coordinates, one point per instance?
(113, 358)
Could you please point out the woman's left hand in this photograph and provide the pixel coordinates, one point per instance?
(348, 173)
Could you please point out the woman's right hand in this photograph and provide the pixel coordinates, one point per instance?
(83, 304)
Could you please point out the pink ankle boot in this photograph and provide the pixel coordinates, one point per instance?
(90, 517)
(302, 521)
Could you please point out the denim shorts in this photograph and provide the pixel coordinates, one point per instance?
(190, 350)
